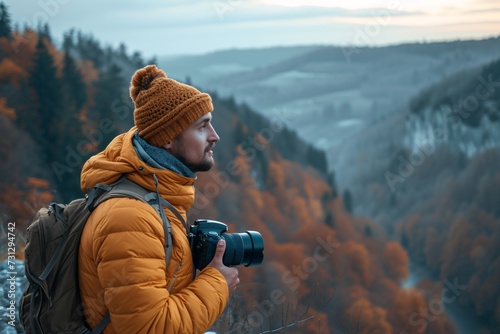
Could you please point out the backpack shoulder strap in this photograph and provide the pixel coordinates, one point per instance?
(127, 188)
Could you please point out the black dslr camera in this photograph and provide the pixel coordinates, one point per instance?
(241, 248)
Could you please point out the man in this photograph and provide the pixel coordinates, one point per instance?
(122, 267)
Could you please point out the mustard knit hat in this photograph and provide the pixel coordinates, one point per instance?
(164, 108)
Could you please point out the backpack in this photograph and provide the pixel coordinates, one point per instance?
(51, 303)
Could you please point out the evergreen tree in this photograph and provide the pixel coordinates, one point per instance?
(89, 48)
(136, 60)
(330, 178)
(69, 40)
(5, 25)
(74, 98)
(44, 122)
(44, 32)
(122, 51)
(71, 134)
(109, 88)
(73, 85)
(347, 200)
(317, 159)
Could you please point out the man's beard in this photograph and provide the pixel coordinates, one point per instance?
(203, 166)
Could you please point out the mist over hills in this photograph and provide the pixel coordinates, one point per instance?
(333, 95)
(465, 107)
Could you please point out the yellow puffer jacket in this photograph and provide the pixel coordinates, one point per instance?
(122, 255)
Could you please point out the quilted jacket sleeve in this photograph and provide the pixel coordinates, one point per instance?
(130, 259)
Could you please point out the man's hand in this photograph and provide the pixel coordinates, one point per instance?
(229, 273)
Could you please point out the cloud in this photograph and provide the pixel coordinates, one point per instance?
(157, 27)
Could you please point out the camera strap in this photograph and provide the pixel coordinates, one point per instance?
(169, 206)
(175, 212)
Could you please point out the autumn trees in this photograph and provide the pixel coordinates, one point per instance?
(51, 103)
(316, 277)
(454, 233)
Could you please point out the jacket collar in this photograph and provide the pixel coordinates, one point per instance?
(120, 158)
(159, 157)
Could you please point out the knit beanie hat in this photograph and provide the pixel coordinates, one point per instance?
(164, 108)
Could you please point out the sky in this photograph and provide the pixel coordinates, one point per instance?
(177, 27)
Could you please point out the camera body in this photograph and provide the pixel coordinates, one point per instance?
(241, 248)
(203, 237)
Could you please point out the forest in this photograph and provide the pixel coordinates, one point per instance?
(325, 270)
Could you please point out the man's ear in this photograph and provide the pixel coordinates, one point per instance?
(168, 145)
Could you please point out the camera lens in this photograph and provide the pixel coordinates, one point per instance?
(243, 248)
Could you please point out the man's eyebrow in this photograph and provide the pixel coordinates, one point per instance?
(204, 120)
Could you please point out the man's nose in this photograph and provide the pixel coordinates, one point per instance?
(213, 137)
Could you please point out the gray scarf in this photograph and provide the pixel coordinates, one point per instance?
(158, 157)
